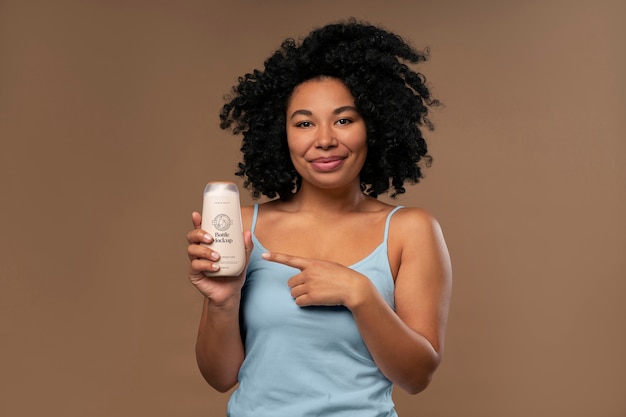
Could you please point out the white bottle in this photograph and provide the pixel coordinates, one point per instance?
(221, 217)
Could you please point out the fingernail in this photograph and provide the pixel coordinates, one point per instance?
(265, 255)
(207, 238)
(214, 256)
(215, 267)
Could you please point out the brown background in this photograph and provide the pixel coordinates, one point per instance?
(108, 126)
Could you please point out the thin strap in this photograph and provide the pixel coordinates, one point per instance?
(389, 220)
(254, 216)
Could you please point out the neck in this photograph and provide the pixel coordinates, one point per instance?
(310, 198)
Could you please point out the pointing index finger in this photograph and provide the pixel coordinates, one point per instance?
(289, 260)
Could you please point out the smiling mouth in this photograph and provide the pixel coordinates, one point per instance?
(328, 163)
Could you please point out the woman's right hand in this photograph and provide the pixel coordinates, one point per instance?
(221, 289)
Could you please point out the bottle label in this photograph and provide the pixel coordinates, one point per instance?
(222, 222)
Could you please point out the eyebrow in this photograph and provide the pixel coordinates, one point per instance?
(338, 110)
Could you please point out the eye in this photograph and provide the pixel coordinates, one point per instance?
(344, 121)
(303, 124)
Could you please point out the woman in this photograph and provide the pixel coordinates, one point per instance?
(343, 295)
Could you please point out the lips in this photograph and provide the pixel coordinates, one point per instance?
(329, 163)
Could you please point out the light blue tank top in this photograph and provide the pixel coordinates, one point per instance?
(307, 361)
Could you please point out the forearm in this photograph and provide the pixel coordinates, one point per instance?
(403, 355)
(219, 348)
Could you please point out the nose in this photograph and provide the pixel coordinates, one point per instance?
(326, 138)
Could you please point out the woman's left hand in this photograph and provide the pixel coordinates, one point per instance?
(323, 283)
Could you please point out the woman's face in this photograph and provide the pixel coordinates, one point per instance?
(326, 134)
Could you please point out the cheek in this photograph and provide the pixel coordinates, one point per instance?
(298, 143)
(294, 146)
(296, 155)
(357, 143)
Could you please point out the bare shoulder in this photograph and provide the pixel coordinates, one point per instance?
(247, 212)
(246, 216)
(414, 223)
(416, 241)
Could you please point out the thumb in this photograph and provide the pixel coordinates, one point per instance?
(249, 245)
(196, 218)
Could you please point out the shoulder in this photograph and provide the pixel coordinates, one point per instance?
(415, 234)
(414, 219)
(247, 213)
(247, 210)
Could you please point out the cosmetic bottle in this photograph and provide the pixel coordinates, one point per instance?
(221, 217)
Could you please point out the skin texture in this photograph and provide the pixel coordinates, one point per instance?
(327, 143)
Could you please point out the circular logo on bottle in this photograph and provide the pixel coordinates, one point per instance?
(221, 222)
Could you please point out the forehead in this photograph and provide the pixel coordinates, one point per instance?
(321, 91)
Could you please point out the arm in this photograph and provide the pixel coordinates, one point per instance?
(219, 348)
(407, 344)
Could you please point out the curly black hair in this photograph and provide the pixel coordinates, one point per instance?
(392, 99)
